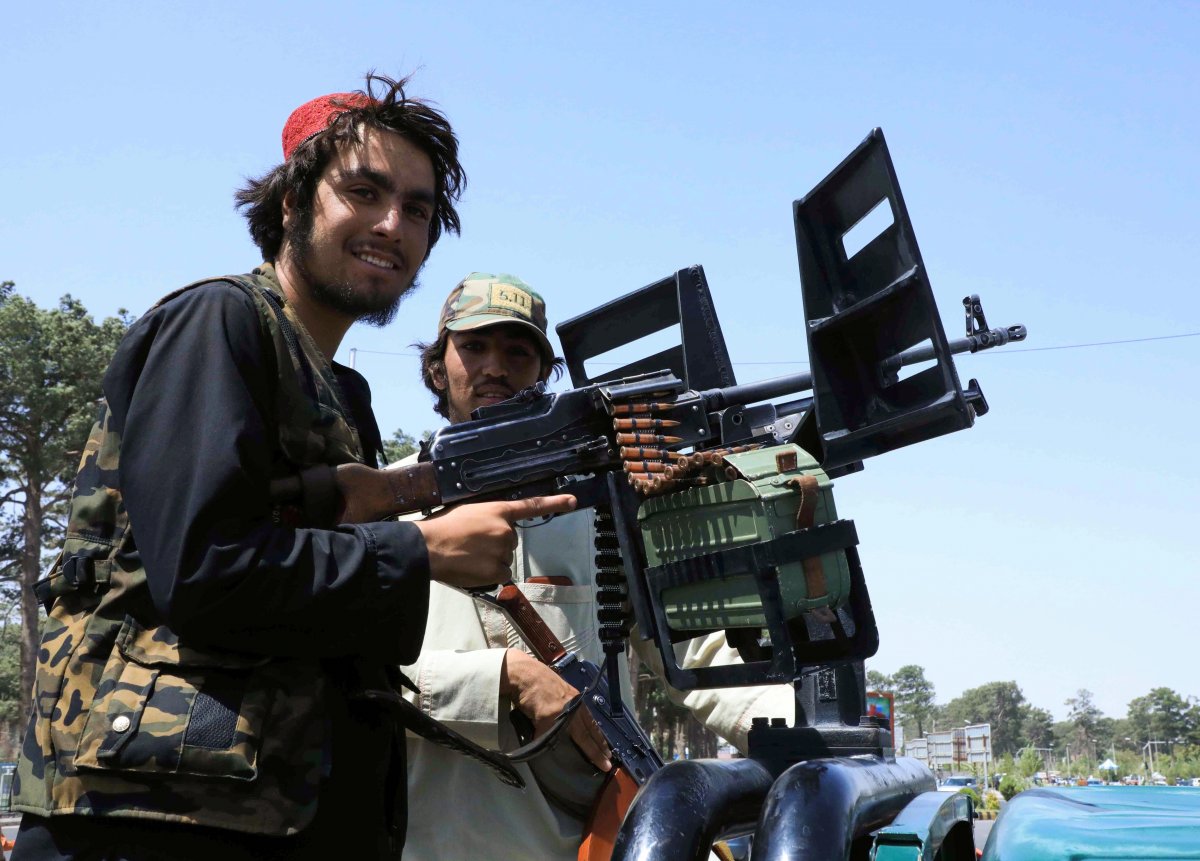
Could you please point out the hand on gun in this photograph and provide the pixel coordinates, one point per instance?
(472, 545)
(540, 694)
(469, 545)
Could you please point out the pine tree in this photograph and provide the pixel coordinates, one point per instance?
(51, 366)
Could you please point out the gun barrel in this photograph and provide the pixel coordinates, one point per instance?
(752, 393)
(765, 390)
(971, 343)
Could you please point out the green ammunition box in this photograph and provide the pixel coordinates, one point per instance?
(758, 506)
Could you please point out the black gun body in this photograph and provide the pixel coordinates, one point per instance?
(520, 447)
(542, 442)
(630, 745)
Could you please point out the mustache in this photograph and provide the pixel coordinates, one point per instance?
(486, 390)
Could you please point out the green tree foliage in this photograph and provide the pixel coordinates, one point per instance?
(1107, 731)
(51, 366)
(1075, 746)
(11, 716)
(1164, 715)
(1000, 704)
(1030, 763)
(400, 446)
(1011, 784)
(10, 672)
(1077, 735)
(1129, 762)
(1037, 726)
(973, 794)
(673, 728)
(1082, 710)
(877, 681)
(1010, 777)
(914, 700)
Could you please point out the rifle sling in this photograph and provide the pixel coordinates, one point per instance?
(545, 742)
(411, 717)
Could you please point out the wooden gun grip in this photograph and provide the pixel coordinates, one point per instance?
(532, 628)
(607, 814)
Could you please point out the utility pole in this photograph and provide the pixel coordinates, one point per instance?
(1150, 746)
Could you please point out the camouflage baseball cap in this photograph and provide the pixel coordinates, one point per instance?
(482, 299)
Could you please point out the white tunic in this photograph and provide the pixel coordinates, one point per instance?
(458, 811)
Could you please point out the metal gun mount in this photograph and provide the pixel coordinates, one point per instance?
(882, 377)
(868, 314)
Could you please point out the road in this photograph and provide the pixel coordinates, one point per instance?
(983, 827)
(8, 824)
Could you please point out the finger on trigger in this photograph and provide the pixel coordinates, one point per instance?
(537, 506)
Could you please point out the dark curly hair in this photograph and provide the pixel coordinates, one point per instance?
(391, 110)
(433, 359)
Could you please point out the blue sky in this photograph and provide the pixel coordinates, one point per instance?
(1047, 157)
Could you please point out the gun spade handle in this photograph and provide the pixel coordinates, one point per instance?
(530, 625)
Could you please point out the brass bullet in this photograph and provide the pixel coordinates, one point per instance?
(642, 408)
(641, 452)
(644, 424)
(645, 466)
(642, 438)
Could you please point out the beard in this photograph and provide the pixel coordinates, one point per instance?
(341, 296)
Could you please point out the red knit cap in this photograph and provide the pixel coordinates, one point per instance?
(315, 116)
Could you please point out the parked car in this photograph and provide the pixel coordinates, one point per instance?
(958, 781)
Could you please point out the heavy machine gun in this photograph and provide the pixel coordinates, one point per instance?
(713, 509)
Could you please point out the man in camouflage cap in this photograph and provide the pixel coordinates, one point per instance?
(217, 673)
(505, 315)
(481, 300)
(474, 672)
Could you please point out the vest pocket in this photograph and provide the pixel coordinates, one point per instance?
(163, 708)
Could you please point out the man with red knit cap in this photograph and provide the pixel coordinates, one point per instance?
(216, 677)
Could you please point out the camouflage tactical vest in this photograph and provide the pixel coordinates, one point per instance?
(129, 721)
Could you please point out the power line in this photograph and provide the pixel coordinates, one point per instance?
(1102, 343)
(607, 364)
(1005, 351)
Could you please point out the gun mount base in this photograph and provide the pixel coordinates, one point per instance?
(827, 808)
(689, 804)
(780, 747)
